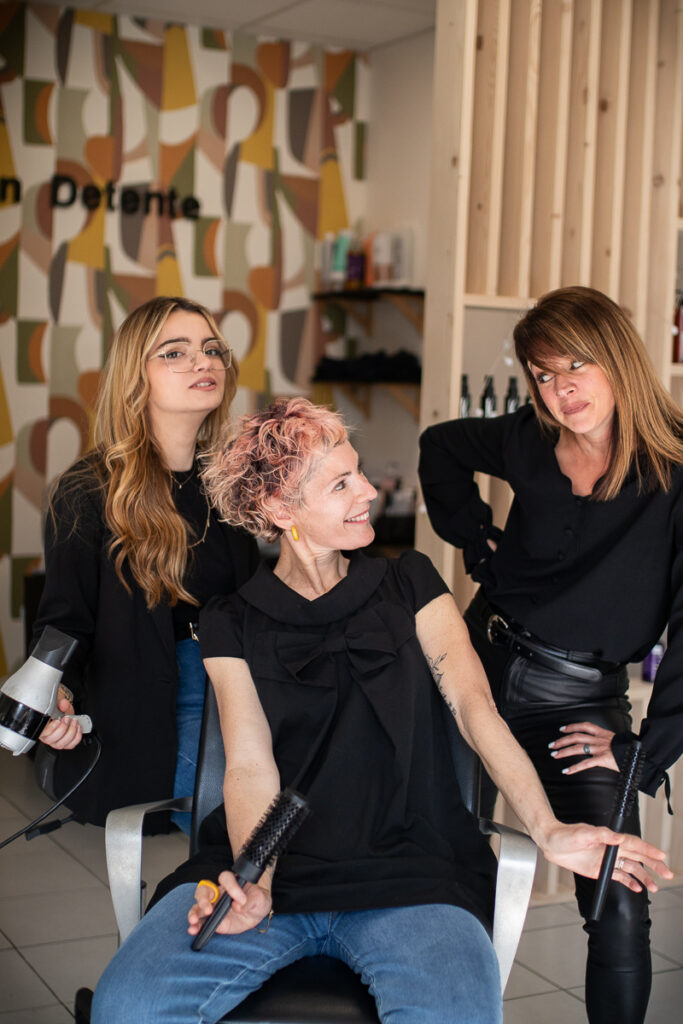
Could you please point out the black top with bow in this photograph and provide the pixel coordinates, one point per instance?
(358, 725)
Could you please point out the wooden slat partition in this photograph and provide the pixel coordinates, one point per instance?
(639, 148)
(498, 147)
(665, 183)
(573, 179)
(520, 148)
(610, 163)
(451, 167)
(551, 151)
(577, 240)
(538, 183)
(487, 146)
(529, 148)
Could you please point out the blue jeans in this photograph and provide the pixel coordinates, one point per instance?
(431, 964)
(189, 708)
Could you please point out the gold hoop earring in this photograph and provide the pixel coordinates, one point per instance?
(295, 533)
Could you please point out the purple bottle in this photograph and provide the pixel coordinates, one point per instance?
(651, 663)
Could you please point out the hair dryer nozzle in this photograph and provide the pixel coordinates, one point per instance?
(54, 648)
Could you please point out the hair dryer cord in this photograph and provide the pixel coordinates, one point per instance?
(95, 742)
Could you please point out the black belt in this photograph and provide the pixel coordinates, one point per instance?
(571, 663)
(185, 631)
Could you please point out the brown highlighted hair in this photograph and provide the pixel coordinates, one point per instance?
(148, 534)
(584, 324)
(266, 461)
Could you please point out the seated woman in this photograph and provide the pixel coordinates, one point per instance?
(330, 673)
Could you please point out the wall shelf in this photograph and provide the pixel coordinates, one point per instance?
(358, 303)
(359, 393)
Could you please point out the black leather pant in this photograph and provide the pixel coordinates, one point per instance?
(618, 970)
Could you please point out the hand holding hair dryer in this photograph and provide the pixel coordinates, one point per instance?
(29, 698)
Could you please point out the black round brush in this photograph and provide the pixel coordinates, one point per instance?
(272, 834)
(627, 792)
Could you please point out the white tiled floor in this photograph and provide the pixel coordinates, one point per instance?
(57, 927)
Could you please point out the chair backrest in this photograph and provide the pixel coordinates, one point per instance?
(208, 787)
(467, 765)
(208, 792)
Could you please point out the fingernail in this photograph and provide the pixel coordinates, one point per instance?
(565, 771)
(554, 753)
(563, 728)
(552, 743)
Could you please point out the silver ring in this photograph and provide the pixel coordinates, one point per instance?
(620, 864)
(587, 748)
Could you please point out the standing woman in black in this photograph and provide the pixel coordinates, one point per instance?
(584, 578)
(133, 550)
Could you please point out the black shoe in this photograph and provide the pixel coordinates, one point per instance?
(82, 1005)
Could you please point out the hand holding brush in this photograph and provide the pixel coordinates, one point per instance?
(271, 835)
(627, 793)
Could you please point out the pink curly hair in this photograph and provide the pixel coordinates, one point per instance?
(267, 458)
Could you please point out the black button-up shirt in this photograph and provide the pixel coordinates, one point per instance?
(597, 576)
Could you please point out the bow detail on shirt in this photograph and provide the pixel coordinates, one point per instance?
(371, 640)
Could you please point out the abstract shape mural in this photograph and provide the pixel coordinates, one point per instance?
(138, 158)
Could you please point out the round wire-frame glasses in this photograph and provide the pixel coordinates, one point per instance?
(183, 360)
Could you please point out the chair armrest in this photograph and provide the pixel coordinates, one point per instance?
(516, 869)
(123, 844)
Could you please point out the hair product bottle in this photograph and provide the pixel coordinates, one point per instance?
(465, 397)
(487, 403)
(512, 396)
(651, 663)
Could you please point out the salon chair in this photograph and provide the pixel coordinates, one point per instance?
(315, 990)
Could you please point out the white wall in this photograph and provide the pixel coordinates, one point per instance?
(400, 140)
(398, 176)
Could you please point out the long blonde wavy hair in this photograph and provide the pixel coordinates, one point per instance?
(148, 534)
(586, 325)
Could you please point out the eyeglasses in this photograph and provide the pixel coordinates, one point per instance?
(182, 359)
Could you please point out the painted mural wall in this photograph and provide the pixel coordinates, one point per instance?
(140, 158)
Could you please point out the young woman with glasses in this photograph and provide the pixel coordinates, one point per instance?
(133, 549)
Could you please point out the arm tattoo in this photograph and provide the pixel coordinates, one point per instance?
(438, 676)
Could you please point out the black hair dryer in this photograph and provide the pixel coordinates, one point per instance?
(28, 699)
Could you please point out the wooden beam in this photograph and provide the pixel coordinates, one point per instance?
(551, 147)
(639, 146)
(610, 163)
(665, 185)
(455, 47)
(520, 144)
(529, 141)
(486, 65)
(577, 235)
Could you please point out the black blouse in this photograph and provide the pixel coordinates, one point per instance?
(358, 725)
(209, 567)
(598, 576)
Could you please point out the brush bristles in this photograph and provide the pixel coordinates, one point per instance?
(629, 779)
(275, 829)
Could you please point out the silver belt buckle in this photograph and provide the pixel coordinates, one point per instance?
(495, 620)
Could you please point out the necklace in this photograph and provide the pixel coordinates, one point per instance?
(206, 524)
(181, 483)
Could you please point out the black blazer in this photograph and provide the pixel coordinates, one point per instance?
(123, 673)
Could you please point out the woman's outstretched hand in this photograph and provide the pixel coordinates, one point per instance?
(249, 906)
(580, 848)
(591, 741)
